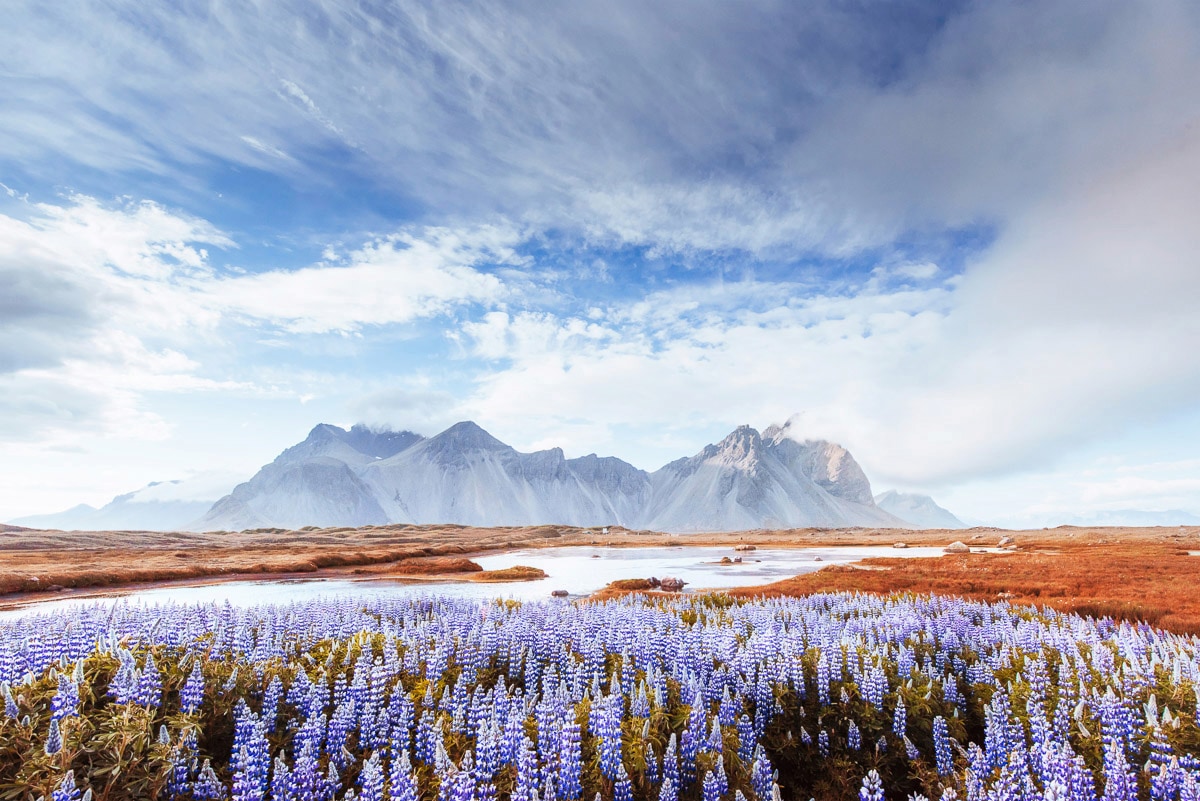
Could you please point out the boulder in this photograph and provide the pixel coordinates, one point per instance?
(1004, 541)
(957, 547)
(745, 548)
(560, 594)
(671, 584)
(900, 545)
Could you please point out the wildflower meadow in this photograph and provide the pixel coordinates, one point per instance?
(833, 696)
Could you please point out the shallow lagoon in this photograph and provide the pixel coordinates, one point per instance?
(579, 570)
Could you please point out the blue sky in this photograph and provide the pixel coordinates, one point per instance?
(958, 238)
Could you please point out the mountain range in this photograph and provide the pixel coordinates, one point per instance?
(464, 475)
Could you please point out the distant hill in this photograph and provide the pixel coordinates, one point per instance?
(919, 510)
(160, 506)
(466, 476)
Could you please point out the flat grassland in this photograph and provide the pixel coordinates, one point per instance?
(1146, 574)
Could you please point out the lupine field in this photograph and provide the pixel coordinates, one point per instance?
(829, 696)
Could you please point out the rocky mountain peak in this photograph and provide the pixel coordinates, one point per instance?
(742, 448)
(462, 438)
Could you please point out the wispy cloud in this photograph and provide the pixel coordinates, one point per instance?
(823, 127)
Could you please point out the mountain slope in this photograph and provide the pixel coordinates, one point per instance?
(466, 476)
(919, 510)
(746, 481)
(315, 483)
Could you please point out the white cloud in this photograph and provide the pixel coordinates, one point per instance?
(104, 304)
(268, 149)
(1077, 324)
(392, 280)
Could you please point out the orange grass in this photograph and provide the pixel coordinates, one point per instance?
(1156, 583)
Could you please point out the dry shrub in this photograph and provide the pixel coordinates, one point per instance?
(515, 573)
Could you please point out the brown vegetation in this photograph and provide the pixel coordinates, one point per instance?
(515, 573)
(422, 566)
(1145, 578)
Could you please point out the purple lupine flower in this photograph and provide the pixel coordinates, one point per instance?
(281, 781)
(67, 790)
(622, 791)
(667, 791)
(402, 785)
(853, 736)
(823, 679)
(1164, 768)
(250, 761)
(872, 787)
(183, 764)
(54, 741)
(65, 702)
(670, 769)
(192, 694)
(746, 738)
(370, 781)
(606, 726)
(427, 731)
(527, 772)
(721, 779)
(307, 783)
(941, 746)
(900, 719)
(148, 692)
(270, 704)
(1189, 788)
(761, 776)
(570, 762)
(652, 766)
(689, 744)
(1055, 790)
(333, 782)
(1119, 781)
(710, 788)
(207, 787)
(10, 704)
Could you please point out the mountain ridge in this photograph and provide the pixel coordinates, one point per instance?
(466, 476)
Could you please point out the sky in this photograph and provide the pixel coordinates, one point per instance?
(958, 238)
